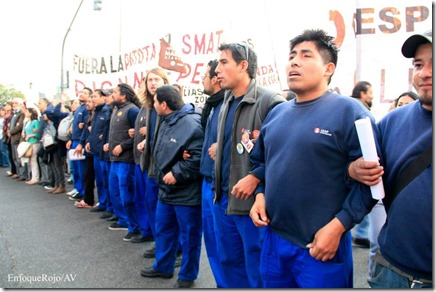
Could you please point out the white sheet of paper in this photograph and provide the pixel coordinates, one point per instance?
(71, 155)
(369, 151)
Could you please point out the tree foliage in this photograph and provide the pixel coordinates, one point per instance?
(9, 93)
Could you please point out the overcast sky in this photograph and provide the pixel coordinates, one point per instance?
(32, 32)
(31, 41)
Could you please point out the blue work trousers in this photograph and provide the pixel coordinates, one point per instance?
(285, 265)
(239, 243)
(109, 206)
(102, 182)
(209, 233)
(122, 187)
(139, 198)
(151, 193)
(79, 168)
(173, 221)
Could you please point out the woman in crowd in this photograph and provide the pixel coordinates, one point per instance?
(31, 136)
(406, 98)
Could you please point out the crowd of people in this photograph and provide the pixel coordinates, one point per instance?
(273, 182)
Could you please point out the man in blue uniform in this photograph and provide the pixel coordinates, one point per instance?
(178, 211)
(122, 173)
(78, 126)
(405, 259)
(245, 106)
(209, 121)
(95, 142)
(304, 199)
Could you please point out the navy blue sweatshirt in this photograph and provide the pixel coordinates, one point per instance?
(80, 116)
(206, 166)
(227, 145)
(303, 153)
(406, 239)
(99, 130)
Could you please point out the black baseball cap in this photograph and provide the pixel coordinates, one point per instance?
(414, 41)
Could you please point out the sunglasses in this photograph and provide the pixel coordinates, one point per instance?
(245, 47)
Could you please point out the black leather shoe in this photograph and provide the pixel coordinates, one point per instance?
(183, 284)
(150, 273)
(112, 219)
(150, 253)
(106, 215)
(363, 242)
(138, 238)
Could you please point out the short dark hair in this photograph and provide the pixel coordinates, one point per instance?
(241, 52)
(323, 42)
(178, 86)
(359, 87)
(212, 64)
(171, 95)
(88, 89)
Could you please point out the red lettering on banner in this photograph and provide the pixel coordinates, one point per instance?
(201, 44)
(78, 86)
(139, 56)
(184, 75)
(194, 74)
(137, 80)
(134, 80)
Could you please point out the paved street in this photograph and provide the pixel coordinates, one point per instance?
(46, 242)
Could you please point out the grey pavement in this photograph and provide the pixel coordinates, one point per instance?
(46, 242)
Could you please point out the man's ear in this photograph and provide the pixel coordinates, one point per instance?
(330, 69)
(244, 65)
(214, 80)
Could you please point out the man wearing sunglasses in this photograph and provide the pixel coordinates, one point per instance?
(241, 116)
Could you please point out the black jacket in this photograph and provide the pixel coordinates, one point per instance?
(122, 120)
(179, 131)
